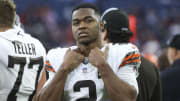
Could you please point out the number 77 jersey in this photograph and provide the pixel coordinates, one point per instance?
(21, 63)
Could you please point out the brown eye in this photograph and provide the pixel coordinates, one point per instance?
(89, 20)
(75, 23)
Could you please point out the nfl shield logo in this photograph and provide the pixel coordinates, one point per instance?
(84, 70)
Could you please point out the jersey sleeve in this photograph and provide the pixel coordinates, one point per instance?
(131, 58)
(128, 74)
(49, 67)
(126, 63)
(128, 69)
(54, 60)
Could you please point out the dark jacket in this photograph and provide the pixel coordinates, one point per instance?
(171, 82)
(148, 82)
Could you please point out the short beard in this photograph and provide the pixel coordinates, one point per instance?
(86, 43)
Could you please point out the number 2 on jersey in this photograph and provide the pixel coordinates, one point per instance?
(92, 89)
(22, 62)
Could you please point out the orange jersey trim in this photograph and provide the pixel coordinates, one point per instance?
(131, 56)
(128, 62)
(47, 63)
(50, 69)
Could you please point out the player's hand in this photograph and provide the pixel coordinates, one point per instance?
(97, 57)
(72, 59)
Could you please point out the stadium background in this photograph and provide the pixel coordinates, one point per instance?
(50, 21)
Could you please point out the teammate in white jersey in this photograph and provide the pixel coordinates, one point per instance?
(117, 30)
(22, 58)
(90, 71)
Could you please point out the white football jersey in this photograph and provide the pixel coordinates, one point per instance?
(85, 83)
(22, 62)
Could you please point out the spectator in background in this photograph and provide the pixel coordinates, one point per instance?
(171, 76)
(150, 51)
(163, 62)
(149, 85)
(174, 27)
(149, 82)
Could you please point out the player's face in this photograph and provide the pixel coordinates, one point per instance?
(171, 54)
(85, 25)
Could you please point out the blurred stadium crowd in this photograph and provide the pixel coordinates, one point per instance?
(50, 21)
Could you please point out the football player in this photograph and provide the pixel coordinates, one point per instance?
(90, 71)
(117, 31)
(22, 58)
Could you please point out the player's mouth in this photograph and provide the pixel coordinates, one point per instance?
(83, 34)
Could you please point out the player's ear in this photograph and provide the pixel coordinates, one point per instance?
(105, 35)
(102, 26)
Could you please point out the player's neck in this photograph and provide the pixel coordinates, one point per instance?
(3, 29)
(86, 48)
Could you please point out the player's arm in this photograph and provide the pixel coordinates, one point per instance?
(42, 78)
(117, 89)
(54, 90)
(54, 87)
(40, 84)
